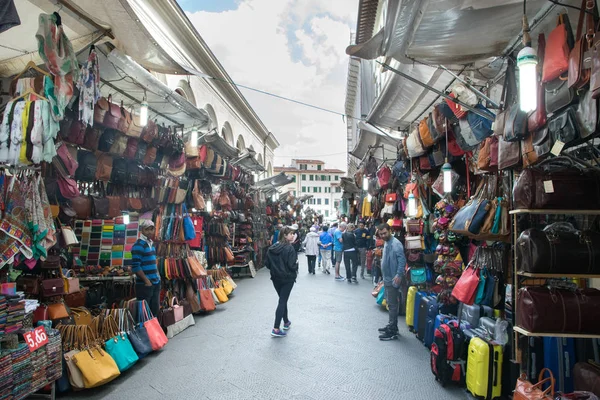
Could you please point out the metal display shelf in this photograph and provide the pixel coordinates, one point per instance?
(556, 334)
(105, 278)
(567, 212)
(565, 275)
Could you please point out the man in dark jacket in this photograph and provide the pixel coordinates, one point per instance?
(282, 261)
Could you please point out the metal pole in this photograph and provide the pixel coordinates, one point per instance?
(476, 91)
(434, 90)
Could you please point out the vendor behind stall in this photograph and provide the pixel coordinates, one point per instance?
(147, 279)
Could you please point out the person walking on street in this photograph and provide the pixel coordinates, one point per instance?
(350, 254)
(363, 237)
(311, 244)
(282, 262)
(338, 249)
(393, 262)
(143, 258)
(325, 246)
(331, 231)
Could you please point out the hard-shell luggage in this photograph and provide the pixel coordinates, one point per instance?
(447, 355)
(484, 368)
(534, 357)
(423, 312)
(432, 313)
(559, 357)
(418, 296)
(510, 370)
(472, 314)
(410, 307)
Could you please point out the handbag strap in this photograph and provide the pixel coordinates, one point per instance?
(582, 12)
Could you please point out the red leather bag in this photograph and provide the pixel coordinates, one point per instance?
(113, 115)
(391, 197)
(526, 390)
(456, 108)
(466, 287)
(556, 54)
(384, 174)
(77, 132)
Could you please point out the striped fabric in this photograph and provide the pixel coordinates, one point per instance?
(144, 259)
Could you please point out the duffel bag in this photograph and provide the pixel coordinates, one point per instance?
(553, 310)
(557, 183)
(559, 248)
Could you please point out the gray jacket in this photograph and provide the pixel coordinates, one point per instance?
(393, 260)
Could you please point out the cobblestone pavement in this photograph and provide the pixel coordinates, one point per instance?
(331, 352)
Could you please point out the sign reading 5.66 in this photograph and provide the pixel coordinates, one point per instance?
(36, 338)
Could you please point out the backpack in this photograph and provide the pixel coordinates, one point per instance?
(448, 354)
(86, 171)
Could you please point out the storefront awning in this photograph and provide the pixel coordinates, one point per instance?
(373, 141)
(348, 185)
(133, 32)
(275, 181)
(218, 144)
(248, 161)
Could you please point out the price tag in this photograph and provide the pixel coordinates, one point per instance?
(548, 187)
(36, 338)
(557, 148)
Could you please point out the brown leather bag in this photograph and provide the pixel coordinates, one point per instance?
(509, 154)
(526, 390)
(579, 73)
(77, 132)
(76, 299)
(92, 137)
(537, 118)
(131, 148)
(104, 167)
(57, 311)
(119, 145)
(587, 377)
(114, 206)
(530, 157)
(82, 206)
(484, 160)
(557, 183)
(100, 109)
(193, 163)
(113, 115)
(553, 310)
(150, 132)
(559, 248)
(125, 120)
(150, 156)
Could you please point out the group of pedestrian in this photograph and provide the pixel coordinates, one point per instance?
(348, 243)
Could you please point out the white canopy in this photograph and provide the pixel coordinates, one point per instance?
(370, 141)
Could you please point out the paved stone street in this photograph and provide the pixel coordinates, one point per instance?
(331, 352)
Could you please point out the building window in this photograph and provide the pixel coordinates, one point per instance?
(303, 166)
(327, 213)
(326, 202)
(319, 167)
(329, 178)
(303, 177)
(319, 190)
(303, 189)
(338, 189)
(316, 177)
(337, 178)
(323, 178)
(319, 201)
(293, 178)
(312, 177)
(314, 189)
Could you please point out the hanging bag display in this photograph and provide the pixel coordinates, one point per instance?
(537, 118)
(466, 287)
(556, 54)
(579, 71)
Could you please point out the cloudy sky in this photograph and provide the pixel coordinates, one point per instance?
(293, 48)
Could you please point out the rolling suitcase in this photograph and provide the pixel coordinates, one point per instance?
(472, 314)
(418, 296)
(484, 368)
(447, 355)
(535, 357)
(432, 314)
(559, 357)
(441, 319)
(410, 307)
(423, 313)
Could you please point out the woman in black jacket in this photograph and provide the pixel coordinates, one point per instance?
(282, 261)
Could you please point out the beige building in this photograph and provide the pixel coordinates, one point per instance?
(312, 177)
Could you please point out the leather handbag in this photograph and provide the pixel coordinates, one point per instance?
(465, 288)
(113, 115)
(118, 345)
(559, 248)
(150, 132)
(554, 310)
(142, 148)
(107, 139)
(97, 366)
(120, 145)
(537, 118)
(104, 167)
(469, 219)
(82, 206)
(81, 315)
(425, 133)
(456, 108)
(509, 154)
(199, 203)
(100, 109)
(413, 144)
(465, 138)
(595, 74)
(436, 135)
(564, 126)
(28, 284)
(66, 158)
(579, 72)
(587, 115)
(542, 142)
(138, 336)
(481, 127)
(131, 148)
(92, 138)
(556, 54)
(207, 302)
(71, 282)
(119, 171)
(530, 157)
(150, 156)
(40, 313)
(57, 311)
(558, 95)
(526, 390)
(556, 183)
(515, 126)
(76, 299)
(125, 120)
(157, 337)
(488, 150)
(414, 242)
(53, 287)
(586, 376)
(86, 171)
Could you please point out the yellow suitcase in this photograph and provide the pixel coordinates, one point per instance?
(410, 306)
(484, 369)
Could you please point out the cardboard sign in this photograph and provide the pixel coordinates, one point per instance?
(36, 338)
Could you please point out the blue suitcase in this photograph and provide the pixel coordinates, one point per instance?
(432, 314)
(442, 319)
(559, 357)
(426, 301)
(418, 297)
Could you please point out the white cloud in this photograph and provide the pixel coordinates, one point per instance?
(294, 49)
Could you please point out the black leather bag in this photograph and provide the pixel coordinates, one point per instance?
(542, 142)
(515, 126)
(107, 140)
(119, 171)
(558, 95)
(86, 171)
(564, 126)
(559, 248)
